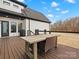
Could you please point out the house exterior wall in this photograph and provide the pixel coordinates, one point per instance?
(11, 7)
(10, 20)
(36, 25)
(33, 25)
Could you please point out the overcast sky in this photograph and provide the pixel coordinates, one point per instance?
(55, 10)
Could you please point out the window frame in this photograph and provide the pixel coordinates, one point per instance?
(14, 29)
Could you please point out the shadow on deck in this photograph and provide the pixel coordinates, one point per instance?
(14, 48)
(63, 52)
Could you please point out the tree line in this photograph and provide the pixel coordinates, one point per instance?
(69, 25)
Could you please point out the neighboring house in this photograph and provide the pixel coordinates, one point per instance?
(15, 16)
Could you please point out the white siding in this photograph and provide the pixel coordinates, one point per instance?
(0, 1)
(11, 20)
(11, 6)
(36, 25)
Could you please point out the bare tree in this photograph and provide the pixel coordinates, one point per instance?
(69, 25)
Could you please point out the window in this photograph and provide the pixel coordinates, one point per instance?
(13, 27)
(15, 6)
(6, 3)
(19, 27)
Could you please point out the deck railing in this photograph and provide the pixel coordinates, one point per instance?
(37, 32)
(44, 31)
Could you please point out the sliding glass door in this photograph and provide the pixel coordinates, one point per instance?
(5, 28)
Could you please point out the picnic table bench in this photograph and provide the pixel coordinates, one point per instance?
(41, 43)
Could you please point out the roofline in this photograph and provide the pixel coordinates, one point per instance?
(19, 3)
(23, 16)
(38, 20)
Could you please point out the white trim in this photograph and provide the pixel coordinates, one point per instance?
(11, 20)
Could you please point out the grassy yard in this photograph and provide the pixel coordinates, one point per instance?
(69, 39)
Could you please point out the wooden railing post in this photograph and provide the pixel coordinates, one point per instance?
(36, 32)
(49, 32)
(45, 31)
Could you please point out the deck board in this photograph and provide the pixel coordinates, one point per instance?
(2, 49)
(13, 49)
(10, 51)
(7, 55)
(20, 51)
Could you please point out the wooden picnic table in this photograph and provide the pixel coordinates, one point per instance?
(35, 39)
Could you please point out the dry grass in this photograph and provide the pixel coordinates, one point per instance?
(69, 39)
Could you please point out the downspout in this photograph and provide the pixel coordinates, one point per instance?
(29, 18)
(29, 24)
(29, 30)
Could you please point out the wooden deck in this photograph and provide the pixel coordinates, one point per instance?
(14, 48)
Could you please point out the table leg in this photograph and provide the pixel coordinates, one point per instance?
(55, 41)
(35, 51)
